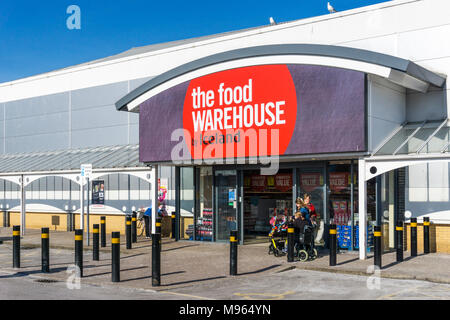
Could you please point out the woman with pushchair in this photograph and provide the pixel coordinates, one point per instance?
(304, 233)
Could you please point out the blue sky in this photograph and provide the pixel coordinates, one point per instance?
(34, 37)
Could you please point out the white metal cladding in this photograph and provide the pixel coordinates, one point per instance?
(124, 156)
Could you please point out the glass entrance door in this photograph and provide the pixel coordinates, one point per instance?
(226, 203)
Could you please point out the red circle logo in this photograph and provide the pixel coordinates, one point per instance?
(244, 112)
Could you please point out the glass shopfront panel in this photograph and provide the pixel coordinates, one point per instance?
(311, 181)
(226, 203)
(204, 226)
(187, 203)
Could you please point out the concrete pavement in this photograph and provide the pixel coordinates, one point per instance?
(187, 263)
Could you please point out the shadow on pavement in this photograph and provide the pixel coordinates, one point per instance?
(261, 270)
(149, 277)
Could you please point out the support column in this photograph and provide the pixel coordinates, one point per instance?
(177, 202)
(82, 203)
(154, 193)
(22, 206)
(362, 204)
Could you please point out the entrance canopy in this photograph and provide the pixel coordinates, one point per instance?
(400, 71)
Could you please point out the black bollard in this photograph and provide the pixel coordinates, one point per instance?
(377, 246)
(413, 237)
(115, 256)
(233, 252)
(290, 242)
(45, 250)
(128, 232)
(399, 234)
(158, 225)
(95, 243)
(103, 231)
(134, 227)
(16, 246)
(333, 244)
(426, 235)
(79, 250)
(156, 260)
(174, 221)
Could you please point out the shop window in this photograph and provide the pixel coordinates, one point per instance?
(51, 188)
(204, 228)
(187, 203)
(113, 187)
(58, 188)
(74, 191)
(123, 186)
(43, 188)
(134, 188)
(2, 189)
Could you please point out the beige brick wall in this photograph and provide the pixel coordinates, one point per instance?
(113, 222)
(439, 238)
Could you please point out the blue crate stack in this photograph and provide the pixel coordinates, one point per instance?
(344, 236)
(369, 237)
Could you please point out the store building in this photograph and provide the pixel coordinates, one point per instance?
(350, 107)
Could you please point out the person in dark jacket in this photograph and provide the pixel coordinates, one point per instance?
(299, 225)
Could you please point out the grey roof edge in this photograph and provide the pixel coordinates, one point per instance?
(362, 55)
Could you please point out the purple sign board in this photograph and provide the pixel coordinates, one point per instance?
(293, 109)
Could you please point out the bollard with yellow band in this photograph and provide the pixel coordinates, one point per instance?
(79, 250)
(95, 243)
(156, 256)
(128, 232)
(333, 245)
(413, 228)
(377, 246)
(103, 231)
(45, 250)
(290, 242)
(134, 227)
(16, 246)
(399, 236)
(115, 256)
(174, 221)
(233, 252)
(426, 235)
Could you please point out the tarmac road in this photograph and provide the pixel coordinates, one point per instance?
(289, 285)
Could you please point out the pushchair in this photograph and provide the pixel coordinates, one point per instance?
(304, 246)
(278, 240)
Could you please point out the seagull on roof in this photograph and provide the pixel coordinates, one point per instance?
(330, 8)
(272, 21)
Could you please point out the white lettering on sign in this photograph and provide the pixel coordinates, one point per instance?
(237, 116)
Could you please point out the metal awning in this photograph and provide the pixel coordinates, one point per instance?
(107, 157)
(417, 138)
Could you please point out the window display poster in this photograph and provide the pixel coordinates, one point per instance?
(339, 181)
(98, 192)
(310, 181)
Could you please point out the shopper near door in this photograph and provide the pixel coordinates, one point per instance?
(312, 210)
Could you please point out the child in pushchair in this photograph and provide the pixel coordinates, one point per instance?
(278, 235)
(304, 246)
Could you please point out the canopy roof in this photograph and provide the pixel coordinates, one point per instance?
(122, 156)
(417, 138)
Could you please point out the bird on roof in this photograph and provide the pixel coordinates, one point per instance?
(272, 21)
(330, 8)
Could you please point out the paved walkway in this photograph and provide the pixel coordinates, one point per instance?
(187, 263)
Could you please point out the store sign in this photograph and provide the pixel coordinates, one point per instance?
(266, 110)
(222, 111)
(339, 181)
(310, 181)
(98, 192)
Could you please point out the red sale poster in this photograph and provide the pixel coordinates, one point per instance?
(338, 181)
